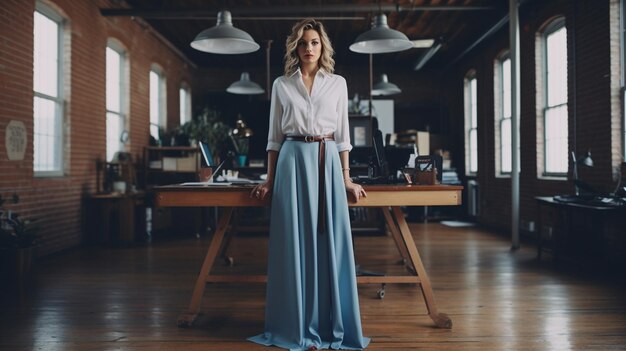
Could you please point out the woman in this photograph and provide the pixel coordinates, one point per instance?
(312, 299)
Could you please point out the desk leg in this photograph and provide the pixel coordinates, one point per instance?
(186, 319)
(397, 238)
(228, 236)
(441, 319)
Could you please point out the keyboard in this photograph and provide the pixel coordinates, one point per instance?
(377, 181)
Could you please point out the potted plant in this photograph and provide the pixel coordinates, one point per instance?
(207, 127)
(18, 239)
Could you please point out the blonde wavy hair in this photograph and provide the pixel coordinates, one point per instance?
(292, 61)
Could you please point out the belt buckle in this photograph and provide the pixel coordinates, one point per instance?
(309, 139)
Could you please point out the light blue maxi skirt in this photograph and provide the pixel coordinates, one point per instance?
(311, 296)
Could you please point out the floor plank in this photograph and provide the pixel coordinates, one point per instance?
(129, 298)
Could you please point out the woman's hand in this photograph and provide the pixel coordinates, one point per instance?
(355, 189)
(262, 190)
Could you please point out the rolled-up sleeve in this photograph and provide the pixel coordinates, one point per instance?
(342, 135)
(275, 135)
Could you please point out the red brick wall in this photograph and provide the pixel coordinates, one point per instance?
(57, 203)
(591, 97)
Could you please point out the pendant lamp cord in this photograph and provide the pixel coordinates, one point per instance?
(267, 69)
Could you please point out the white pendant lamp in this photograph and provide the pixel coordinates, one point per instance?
(384, 87)
(423, 43)
(224, 38)
(244, 86)
(381, 39)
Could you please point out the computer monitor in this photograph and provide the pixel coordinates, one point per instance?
(207, 156)
(397, 158)
(379, 154)
(390, 159)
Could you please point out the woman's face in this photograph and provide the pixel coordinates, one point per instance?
(309, 47)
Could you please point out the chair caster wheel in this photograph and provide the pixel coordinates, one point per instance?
(381, 292)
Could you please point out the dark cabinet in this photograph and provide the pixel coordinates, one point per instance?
(115, 219)
(582, 232)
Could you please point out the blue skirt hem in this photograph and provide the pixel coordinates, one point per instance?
(262, 339)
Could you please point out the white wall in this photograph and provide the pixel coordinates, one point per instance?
(383, 111)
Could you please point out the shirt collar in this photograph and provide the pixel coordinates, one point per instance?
(320, 72)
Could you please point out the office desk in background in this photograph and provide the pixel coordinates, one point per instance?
(389, 198)
(579, 231)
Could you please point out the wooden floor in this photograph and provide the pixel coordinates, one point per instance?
(129, 299)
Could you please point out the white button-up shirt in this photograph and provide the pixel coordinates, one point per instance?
(294, 112)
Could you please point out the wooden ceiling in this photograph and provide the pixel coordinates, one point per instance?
(457, 24)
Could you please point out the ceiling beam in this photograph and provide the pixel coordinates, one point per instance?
(491, 31)
(277, 11)
(427, 55)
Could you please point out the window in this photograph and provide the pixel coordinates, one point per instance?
(555, 113)
(622, 38)
(157, 101)
(471, 124)
(503, 115)
(47, 91)
(185, 103)
(115, 98)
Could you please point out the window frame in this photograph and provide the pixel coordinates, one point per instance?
(162, 100)
(122, 114)
(622, 59)
(185, 114)
(500, 117)
(550, 28)
(471, 115)
(58, 163)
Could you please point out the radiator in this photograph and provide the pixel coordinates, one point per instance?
(473, 207)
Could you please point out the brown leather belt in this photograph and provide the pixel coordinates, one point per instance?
(321, 139)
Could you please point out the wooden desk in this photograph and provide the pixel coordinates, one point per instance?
(388, 198)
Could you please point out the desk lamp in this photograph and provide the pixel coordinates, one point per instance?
(585, 161)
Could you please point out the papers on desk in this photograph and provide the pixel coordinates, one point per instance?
(231, 181)
(244, 181)
(204, 184)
